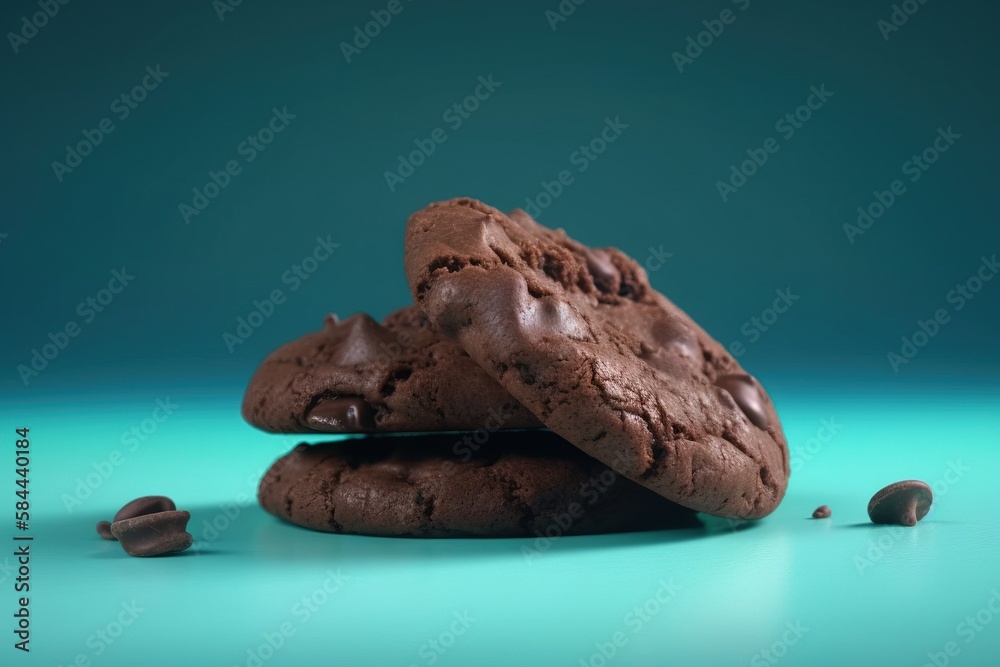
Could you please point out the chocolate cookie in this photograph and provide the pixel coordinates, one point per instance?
(513, 484)
(580, 338)
(357, 375)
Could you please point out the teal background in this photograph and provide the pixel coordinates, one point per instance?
(653, 189)
(655, 186)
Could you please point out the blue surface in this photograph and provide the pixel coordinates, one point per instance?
(841, 591)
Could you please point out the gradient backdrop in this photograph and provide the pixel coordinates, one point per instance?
(194, 154)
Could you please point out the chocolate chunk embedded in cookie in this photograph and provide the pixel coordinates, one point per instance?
(581, 339)
(514, 484)
(357, 376)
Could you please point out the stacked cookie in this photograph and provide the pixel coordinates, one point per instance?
(550, 383)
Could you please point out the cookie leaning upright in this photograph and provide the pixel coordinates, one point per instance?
(580, 338)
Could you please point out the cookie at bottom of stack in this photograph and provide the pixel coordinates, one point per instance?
(518, 483)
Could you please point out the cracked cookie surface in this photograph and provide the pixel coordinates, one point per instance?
(442, 485)
(582, 340)
(357, 376)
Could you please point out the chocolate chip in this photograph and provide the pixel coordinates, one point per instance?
(362, 339)
(341, 415)
(903, 503)
(748, 395)
(673, 339)
(104, 530)
(601, 268)
(822, 512)
(134, 508)
(154, 534)
(144, 505)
